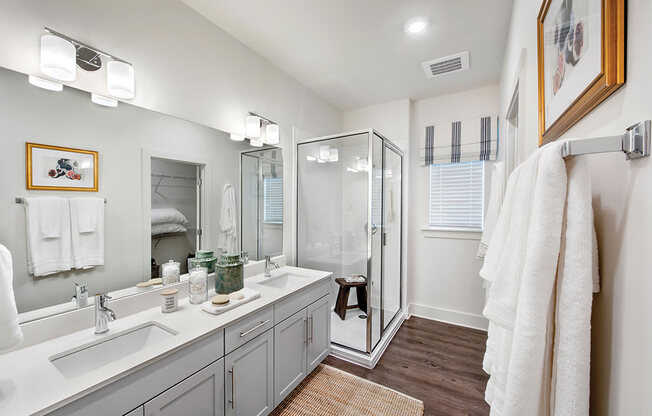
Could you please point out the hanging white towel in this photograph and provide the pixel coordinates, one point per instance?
(87, 222)
(496, 195)
(10, 332)
(228, 238)
(575, 284)
(48, 255)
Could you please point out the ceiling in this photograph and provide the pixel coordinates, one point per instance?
(355, 53)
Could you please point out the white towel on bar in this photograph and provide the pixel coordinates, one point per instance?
(229, 217)
(48, 255)
(87, 223)
(10, 332)
(496, 195)
(576, 282)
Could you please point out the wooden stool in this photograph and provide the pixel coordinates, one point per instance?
(343, 296)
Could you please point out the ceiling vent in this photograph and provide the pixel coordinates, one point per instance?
(446, 65)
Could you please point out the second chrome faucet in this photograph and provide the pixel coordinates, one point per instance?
(102, 314)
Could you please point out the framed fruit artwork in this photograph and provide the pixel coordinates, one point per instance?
(61, 168)
(581, 60)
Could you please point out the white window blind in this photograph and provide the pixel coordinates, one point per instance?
(273, 200)
(457, 195)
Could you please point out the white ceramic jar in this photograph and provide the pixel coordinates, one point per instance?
(169, 300)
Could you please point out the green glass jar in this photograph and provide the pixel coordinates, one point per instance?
(203, 258)
(229, 274)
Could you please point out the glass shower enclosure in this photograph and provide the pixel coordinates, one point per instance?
(349, 194)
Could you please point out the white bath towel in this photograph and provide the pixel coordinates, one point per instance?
(10, 332)
(48, 255)
(575, 284)
(87, 224)
(228, 240)
(496, 195)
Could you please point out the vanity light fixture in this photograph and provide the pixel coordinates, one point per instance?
(236, 137)
(271, 134)
(102, 100)
(256, 143)
(120, 79)
(46, 84)
(416, 25)
(252, 126)
(61, 55)
(58, 58)
(334, 155)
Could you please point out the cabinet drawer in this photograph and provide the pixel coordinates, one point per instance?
(288, 307)
(247, 329)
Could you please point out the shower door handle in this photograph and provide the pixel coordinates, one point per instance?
(374, 228)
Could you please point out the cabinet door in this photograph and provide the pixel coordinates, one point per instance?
(249, 377)
(290, 338)
(200, 394)
(319, 332)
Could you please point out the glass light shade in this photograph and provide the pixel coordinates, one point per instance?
(46, 84)
(120, 80)
(237, 137)
(252, 127)
(324, 152)
(58, 58)
(102, 100)
(255, 143)
(271, 134)
(334, 156)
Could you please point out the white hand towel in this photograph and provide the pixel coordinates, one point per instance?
(496, 195)
(527, 356)
(10, 332)
(575, 284)
(87, 232)
(47, 255)
(228, 238)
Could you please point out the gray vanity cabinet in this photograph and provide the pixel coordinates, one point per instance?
(319, 332)
(290, 362)
(201, 394)
(249, 377)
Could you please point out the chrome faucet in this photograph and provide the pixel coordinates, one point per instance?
(102, 314)
(268, 264)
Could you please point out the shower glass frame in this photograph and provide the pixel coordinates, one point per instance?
(386, 145)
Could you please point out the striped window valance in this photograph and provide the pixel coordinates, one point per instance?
(461, 141)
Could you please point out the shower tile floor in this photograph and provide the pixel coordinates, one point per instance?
(352, 332)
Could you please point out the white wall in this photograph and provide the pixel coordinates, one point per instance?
(621, 375)
(443, 270)
(185, 66)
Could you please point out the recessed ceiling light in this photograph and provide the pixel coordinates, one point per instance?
(416, 25)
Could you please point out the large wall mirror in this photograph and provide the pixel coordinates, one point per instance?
(163, 180)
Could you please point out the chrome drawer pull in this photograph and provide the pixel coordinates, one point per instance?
(263, 323)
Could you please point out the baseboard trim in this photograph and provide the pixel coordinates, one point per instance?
(448, 316)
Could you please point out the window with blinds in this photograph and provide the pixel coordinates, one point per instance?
(457, 195)
(273, 200)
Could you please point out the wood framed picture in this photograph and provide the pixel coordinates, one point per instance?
(57, 168)
(581, 60)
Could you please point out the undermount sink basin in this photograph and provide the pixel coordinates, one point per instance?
(283, 280)
(91, 356)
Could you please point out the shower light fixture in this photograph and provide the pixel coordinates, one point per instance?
(271, 134)
(58, 58)
(237, 137)
(46, 84)
(102, 100)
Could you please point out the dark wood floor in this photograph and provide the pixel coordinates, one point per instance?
(438, 363)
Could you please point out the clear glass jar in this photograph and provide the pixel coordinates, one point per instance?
(170, 272)
(198, 285)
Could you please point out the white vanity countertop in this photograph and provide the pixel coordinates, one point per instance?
(31, 385)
